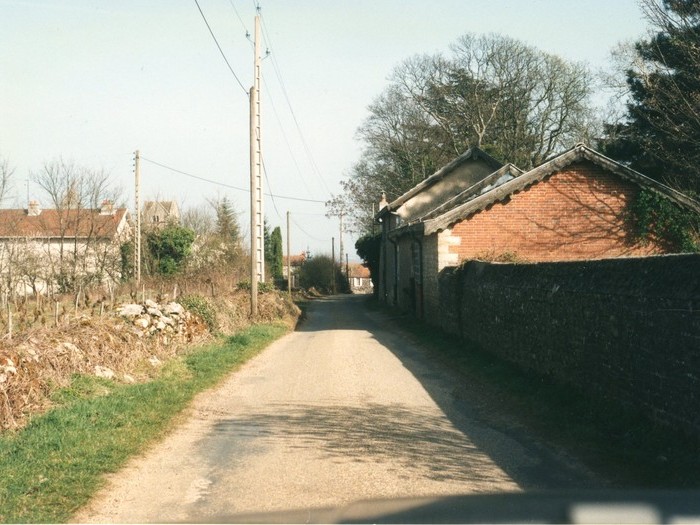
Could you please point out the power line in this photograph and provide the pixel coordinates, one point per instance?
(220, 50)
(245, 28)
(305, 232)
(278, 74)
(274, 204)
(210, 181)
(286, 139)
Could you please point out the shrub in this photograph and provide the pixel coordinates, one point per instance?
(200, 306)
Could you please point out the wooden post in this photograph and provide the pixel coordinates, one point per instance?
(9, 321)
(137, 195)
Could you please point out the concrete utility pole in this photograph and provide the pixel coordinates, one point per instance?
(257, 240)
(340, 241)
(333, 265)
(289, 261)
(137, 194)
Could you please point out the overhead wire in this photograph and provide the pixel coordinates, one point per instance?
(286, 139)
(304, 231)
(211, 32)
(222, 184)
(278, 74)
(245, 28)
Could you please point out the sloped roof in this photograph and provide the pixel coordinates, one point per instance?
(497, 178)
(471, 153)
(360, 271)
(295, 260)
(577, 153)
(16, 223)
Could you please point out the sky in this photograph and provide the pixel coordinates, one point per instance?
(91, 81)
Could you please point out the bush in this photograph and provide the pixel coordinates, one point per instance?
(262, 287)
(169, 247)
(198, 305)
(319, 273)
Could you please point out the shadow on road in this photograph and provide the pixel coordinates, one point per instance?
(424, 439)
(418, 440)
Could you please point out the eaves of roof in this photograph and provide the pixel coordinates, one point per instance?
(577, 153)
(471, 153)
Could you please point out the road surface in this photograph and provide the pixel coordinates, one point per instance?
(344, 409)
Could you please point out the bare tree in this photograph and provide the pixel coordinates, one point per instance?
(518, 103)
(84, 253)
(6, 173)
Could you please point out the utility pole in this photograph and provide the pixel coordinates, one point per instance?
(289, 261)
(257, 242)
(137, 194)
(333, 265)
(340, 242)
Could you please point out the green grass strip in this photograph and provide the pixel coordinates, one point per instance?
(55, 465)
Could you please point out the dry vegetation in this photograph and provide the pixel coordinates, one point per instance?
(45, 351)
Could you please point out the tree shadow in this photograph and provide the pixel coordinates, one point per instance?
(426, 439)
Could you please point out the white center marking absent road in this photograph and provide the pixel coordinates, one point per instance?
(339, 411)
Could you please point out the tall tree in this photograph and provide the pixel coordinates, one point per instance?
(274, 254)
(661, 134)
(518, 103)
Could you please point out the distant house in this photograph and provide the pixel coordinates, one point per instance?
(41, 250)
(295, 263)
(574, 207)
(158, 214)
(359, 279)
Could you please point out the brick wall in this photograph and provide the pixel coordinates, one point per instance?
(577, 213)
(626, 330)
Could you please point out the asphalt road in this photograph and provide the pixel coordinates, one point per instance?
(344, 409)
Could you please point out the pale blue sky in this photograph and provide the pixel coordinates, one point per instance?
(94, 80)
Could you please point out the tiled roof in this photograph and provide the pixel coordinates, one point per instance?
(296, 260)
(577, 153)
(358, 270)
(471, 153)
(67, 223)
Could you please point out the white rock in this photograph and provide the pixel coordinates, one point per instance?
(168, 320)
(160, 325)
(173, 309)
(130, 310)
(155, 312)
(70, 347)
(129, 379)
(151, 304)
(154, 361)
(142, 322)
(104, 372)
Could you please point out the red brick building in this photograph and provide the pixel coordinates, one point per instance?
(574, 207)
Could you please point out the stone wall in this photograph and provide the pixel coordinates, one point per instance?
(626, 330)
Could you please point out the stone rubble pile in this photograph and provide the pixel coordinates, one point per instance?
(150, 318)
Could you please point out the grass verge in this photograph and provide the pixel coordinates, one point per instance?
(54, 465)
(624, 447)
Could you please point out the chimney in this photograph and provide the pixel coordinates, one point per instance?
(107, 207)
(383, 203)
(34, 209)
